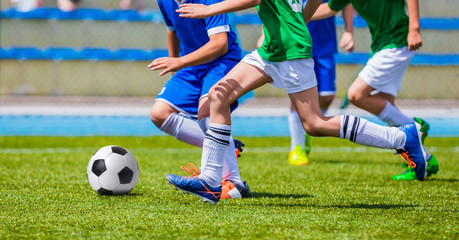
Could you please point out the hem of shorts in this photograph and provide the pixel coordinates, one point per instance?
(376, 88)
(300, 88)
(285, 59)
(388, 46)
(176, 108)
(327, 93)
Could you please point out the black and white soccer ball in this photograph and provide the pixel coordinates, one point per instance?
(113, 170)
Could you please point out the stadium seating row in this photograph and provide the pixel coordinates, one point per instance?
(105, 54)
(87, 53)
(152, 15)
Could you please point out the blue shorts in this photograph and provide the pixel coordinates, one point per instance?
(325, 70)
(187, 86)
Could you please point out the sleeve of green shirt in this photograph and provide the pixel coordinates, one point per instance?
(338, 5)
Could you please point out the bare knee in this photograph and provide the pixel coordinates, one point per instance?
(203, 110)
(315, 128)
(355, 96)
(217, 99)
(311, 129)
(159, 112)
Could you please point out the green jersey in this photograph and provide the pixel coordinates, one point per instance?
(386, 19)
(286, 34)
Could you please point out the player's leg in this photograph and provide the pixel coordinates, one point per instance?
(382, 75)
(325, 71)
(177, 97)
(297, 155)
(375, 90)
(232, 184)
(406, 139)
(240, 80)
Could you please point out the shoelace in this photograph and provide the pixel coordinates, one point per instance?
(408, 159)
(191, 169)
(194, 171)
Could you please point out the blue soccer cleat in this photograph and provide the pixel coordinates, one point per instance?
(413, 152)
(196, 186)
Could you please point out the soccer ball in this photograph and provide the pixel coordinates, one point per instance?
(112, 170)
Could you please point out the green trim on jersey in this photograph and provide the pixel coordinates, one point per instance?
(286, 34)
(386, 19)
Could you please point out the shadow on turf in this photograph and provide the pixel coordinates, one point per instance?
(279, 195)
(443, 180)
(371, 206)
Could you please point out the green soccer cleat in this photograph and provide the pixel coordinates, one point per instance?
(298, 156)
(410, 175)
(307, 144)
(425, 126)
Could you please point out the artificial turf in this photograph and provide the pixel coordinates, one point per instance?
(345, 192)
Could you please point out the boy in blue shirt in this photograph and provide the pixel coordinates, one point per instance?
(201, 52)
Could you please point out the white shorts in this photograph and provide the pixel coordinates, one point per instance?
(294, 75)
(384, 71)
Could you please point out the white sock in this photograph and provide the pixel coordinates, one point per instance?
(183, 129)
(361, 131)
(297, 136)
(204, 125)
(230, 166)
(214, 149)
(393, 116)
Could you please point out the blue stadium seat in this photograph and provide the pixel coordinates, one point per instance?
(152, 15)
(123, 15)
(60, 54)
(157, 53)
(246, 18)
(2, 53)
(352, 58)
(81, 14)
(96, 54)
(132, 54)
(38, 13)
(24, 53)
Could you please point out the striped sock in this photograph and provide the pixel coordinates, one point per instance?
(215, 145)
(361, 131)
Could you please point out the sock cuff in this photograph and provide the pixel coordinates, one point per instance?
(171, 124)
(204, 124)
(385, 111)
(220, 126)
(349, 127)
(219, 133)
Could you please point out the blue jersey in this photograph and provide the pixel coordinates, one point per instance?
(194, 33)
(323, 34)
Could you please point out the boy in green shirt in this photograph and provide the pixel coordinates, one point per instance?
(284, 60)
(395, 39)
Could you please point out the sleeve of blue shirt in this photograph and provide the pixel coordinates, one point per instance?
(164, 13)
(218, 23)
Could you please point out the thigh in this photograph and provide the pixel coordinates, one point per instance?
(213, 74)
(240, 80)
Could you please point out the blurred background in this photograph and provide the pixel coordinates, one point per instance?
(96, 52)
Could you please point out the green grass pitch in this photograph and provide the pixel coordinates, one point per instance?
(345, 192)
